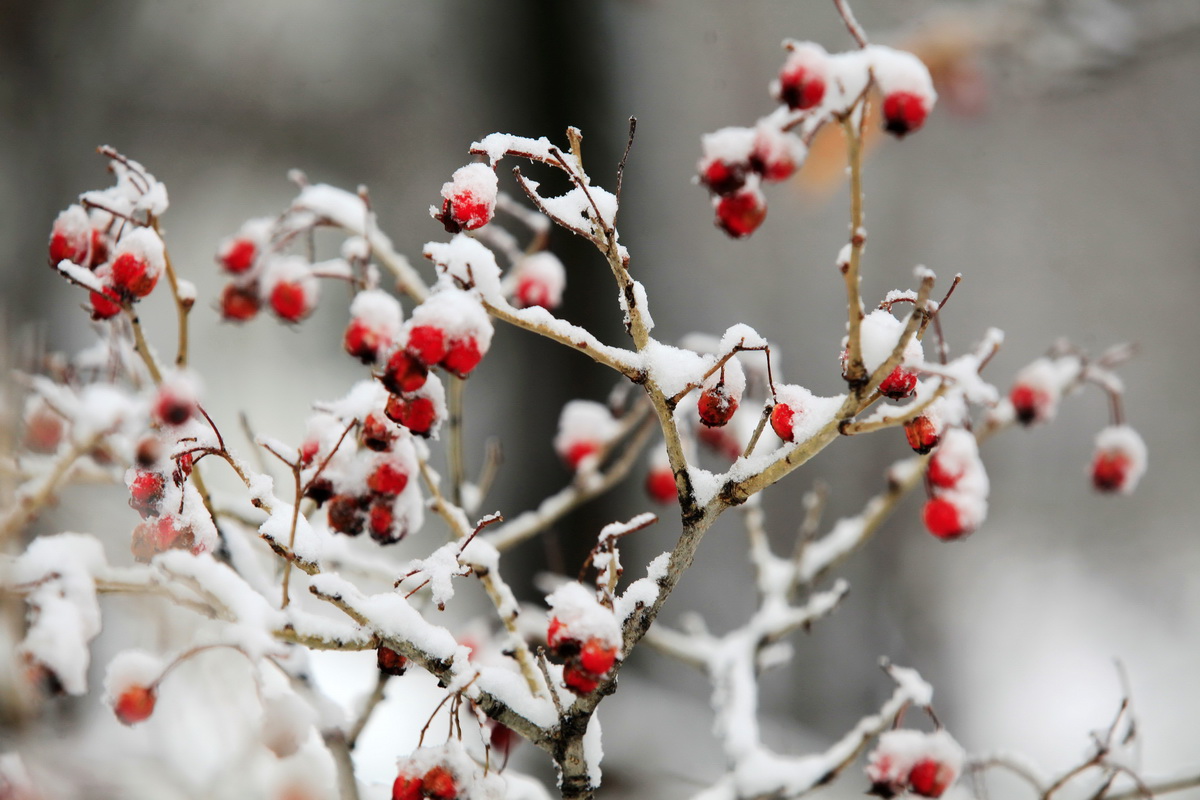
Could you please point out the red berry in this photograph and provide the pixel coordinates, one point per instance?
(739, 214)
(363, 341)
(389, 661)
(943, 519)
(347, 514)
(532, 292)
(722, 441)
(716, 406)
(922, 434)
(319, 491)
(903, 113)
(308, 452)
(1030, 404)
(943, 475)
(800, 87)
(132, 276)
(238, 255)
(462, 356)
(554, 633)
(427, 344)
(406, 787)
(502, 738)
(173, 409)
(404, 373)
(415, 413)
(930, 778)
(290, 301)
(379, 522)
(99, 249)
(135, 704)
(43, 430)
(387, 479)
(239, 303)
(68, 245)
(439, 784)
(377, 433)
(578, 451)
(596, 657)
(783, 419)
(146, 493)
(578, 680)
(722, 177)
(105, 306)
(899, 385)
(660, 485)
(152, 537)
(1110, 471)
(468, 198)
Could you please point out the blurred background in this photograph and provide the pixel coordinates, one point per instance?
(1059, 174)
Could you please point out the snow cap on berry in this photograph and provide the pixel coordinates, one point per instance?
(469, 198)
(725, 159)
(128, 684)
(803, 78)
(890, 766)
(538, 279)
(1038, 388)
(880, 332)
(465, 262)
(796, 400)
(584, 427)
(287, 722)
(137, 262)
(71, 236)
(1120, 459)
(777, 153)
(290, 287)
(457, 315)
(375, 319)
(907, 88)
(721, 392)
(581, 617)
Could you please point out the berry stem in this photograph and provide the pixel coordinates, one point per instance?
(856, 31)
(909, 412)
(856, 370)
(454, 454)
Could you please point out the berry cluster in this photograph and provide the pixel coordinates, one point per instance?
(814, 88)
(925, 764)
(957, 485)
(364, 482)
(444, 773)
(584, 635)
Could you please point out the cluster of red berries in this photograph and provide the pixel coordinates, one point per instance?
(957, 485)
(161, 529)
(373, 510)
(811, 87)
(285, 283)
(925, 764)
(128, 267)
(587, 662)
(436, 783)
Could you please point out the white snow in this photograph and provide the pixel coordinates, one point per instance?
(582, 615)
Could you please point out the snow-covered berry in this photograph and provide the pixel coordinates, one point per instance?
(375, 319)
(584, 428)
(580, 680)
(388, 478)
(777, 154)
(931, 778)
(377, 432)
(160, 534)
(725, 162)
(439, 784)
(1119, 461)
(71, 238)
(462, 356)
(237, 255)
(138, 261)
(1031, 403)
(944, 519)
(130, 685)
(427, 344)
(720, 394)
(146, 492)
(404, 373)
(540, 280)
(904, 112)
(174, 403)
(739, 213)
(290, 288)
(597, 657)
(468, 198)
(406, 787)
(801, 82)
(417, 413)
